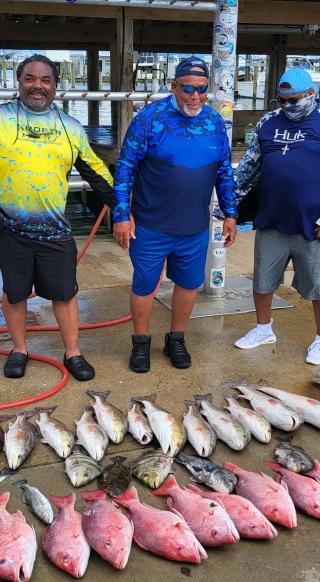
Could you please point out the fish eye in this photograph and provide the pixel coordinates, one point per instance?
(65, 558)
(316, 506)
(253, 527)
(180, 549)
(108, 544)
(214, 534)
(275, 510)
(3, 561)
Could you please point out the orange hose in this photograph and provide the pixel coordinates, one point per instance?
(56, 328)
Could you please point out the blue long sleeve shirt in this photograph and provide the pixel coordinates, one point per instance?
(285, 155)
(171, 163)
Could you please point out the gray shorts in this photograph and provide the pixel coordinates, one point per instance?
(272, 253)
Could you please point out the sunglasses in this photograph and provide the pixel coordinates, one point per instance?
(291, 100)
(190, 89)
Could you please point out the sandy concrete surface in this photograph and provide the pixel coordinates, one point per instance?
(293, 554)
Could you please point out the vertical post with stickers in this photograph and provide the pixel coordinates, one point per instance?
(224, 40)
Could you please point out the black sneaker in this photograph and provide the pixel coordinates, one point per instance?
(175, 348)
(140, 357)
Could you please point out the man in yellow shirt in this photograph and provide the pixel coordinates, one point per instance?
(39, 144)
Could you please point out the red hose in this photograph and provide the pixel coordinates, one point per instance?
(44, 395)
(56, 328)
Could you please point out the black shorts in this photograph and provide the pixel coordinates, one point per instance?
(48, 266)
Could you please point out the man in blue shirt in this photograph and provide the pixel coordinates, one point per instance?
(285, 154)
(175, 152)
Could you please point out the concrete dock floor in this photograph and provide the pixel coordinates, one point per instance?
(104, 276)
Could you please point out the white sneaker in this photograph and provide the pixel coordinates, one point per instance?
(313, 356)
(253, 340)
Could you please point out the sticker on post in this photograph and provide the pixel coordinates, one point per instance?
(217, 278)
(219, 253)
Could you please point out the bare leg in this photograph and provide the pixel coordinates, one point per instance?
(66, 313)
(316, 311)
(15, 315)
(182, 304)
(262, 304)
(141, 308)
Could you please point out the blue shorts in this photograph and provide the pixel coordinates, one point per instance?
(186, 259)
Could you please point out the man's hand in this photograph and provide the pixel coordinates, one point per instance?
(317, 229)
(124, 231)
(229, 231)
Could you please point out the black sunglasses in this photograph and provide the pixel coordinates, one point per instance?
(191, 89)
(291, 100)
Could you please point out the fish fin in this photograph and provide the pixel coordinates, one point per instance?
(183, 525)
(19, 515)
(60, 502)
(91, 495)
(47, 409)
(271, 482)
(196, 479)
(232, 467)
(166, 487)
(4, 498)
(21, 482)
(236, 383)
(199, 397)
(131, 493)
(194, 488)
(274, 466)
(150, 398)
(286, 439)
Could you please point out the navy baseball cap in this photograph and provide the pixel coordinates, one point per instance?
(299, 80)
(185, 66)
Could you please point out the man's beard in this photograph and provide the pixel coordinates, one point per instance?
(192, 113)
(36, 104)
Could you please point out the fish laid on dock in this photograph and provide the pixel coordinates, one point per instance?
(54, 433)
(169, 431)
(139, 426)
(20, 439)
(107, 529)
(161, 532)
(259, 426)
(36, 501)
(81, 468)
(152, 468)
(291, 456)
(91, 435)
(199, 432)
(209, 521)
(18, 544)
(64, 541)
(227, 429)
(276, 412)
(115, 478)
(205, 471)
(112, 420)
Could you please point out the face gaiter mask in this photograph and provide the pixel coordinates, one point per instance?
(300, 109)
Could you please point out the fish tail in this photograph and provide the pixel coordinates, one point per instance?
(47, 409)
(118, 459)
(274, 466)
(231, 396)
(20, 483)
(60, 502)
(130, 494)
(235, 383)
(6, 417)
(150, 398)
(232, 467)
(182, 458)
(7, 471)
(103, 393)
(189, 402)
(4, 498)
(166, 487)
(88, 408)
(90, 495)
(199, 397)
(286, 439)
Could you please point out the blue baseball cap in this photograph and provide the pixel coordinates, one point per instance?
(185, 66)
(299, 80)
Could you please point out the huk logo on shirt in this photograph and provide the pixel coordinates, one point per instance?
(285, 136)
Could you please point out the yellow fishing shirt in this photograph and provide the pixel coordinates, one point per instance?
(37, 151)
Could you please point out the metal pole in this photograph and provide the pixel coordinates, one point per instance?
(224, 40)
